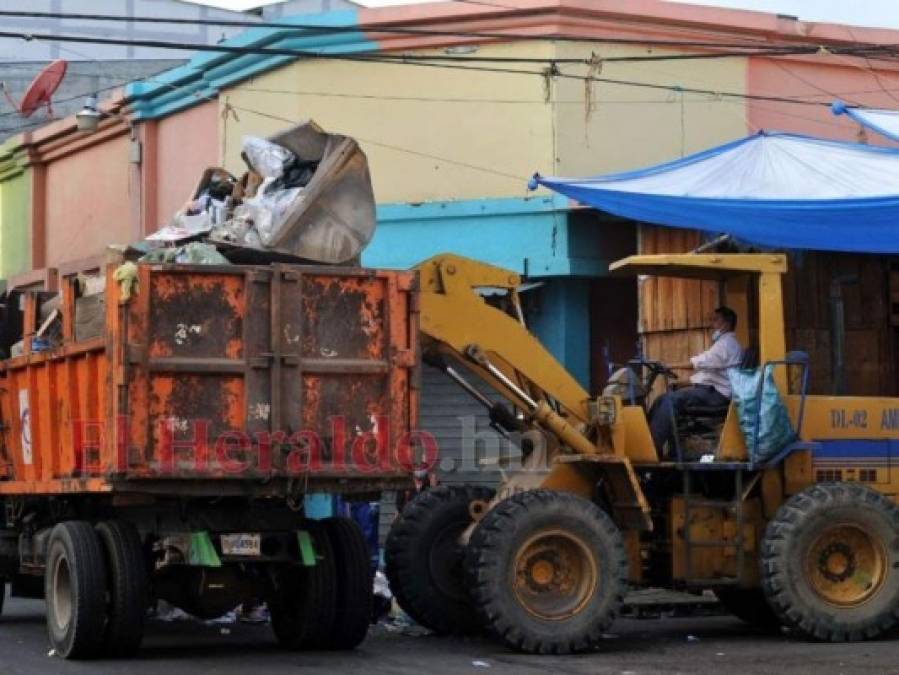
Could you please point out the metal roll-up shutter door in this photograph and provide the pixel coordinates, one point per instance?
(461, 427)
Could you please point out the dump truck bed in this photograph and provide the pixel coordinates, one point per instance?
(217, 380)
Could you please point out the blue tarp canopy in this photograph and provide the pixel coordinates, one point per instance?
(772, 189)
(884, 122)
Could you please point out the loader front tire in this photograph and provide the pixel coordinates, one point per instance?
(830, 562)
(547, 572)
(423, 557)
(75, 590)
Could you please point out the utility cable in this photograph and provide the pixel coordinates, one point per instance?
(384, 56)
(374, 28)
(420, 60)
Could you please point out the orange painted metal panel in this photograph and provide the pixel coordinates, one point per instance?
(213, 373)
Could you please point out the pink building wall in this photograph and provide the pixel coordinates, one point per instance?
(819, 78)
(186, 143)
(87, 201)
(116, 185)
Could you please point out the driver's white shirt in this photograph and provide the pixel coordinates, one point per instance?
(711, 366)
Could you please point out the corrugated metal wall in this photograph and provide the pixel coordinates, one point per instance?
(674, 313)
(870, 335)
(462, 430)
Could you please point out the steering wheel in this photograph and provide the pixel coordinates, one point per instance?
(655, 368)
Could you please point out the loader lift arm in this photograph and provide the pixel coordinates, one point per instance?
(585, 436)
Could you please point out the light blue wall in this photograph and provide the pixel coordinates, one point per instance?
(528, 235)
(532, 236)
(560, 318)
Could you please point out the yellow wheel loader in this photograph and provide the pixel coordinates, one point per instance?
(807, 538)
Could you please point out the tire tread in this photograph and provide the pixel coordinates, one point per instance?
(414, 593)
(87, 568)
(353, 608)
(483, 572)
(779, 534)
(128, 587)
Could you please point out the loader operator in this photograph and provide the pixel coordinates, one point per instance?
(709, 386)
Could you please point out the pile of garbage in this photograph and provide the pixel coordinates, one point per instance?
(306, 197)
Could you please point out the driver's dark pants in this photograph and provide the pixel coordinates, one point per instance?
(666, 406)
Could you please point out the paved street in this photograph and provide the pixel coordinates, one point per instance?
(637, 647)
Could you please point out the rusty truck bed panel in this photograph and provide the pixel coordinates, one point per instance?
(263, 373)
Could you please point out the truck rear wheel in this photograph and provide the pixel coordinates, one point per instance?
(75, 589)
(127, 587)
(424, 558)
(830, 562)
(303, 601)
(547, 572)
(352, 561)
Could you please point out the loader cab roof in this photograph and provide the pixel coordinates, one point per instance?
(716, 266)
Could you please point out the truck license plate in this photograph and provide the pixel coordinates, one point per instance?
(243, 543)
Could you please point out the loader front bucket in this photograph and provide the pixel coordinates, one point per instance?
(335, 219)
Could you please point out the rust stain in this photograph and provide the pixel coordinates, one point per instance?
(205, 315)
(191, 405)
(196, 316)
(344, 318)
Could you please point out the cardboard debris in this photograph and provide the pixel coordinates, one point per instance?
(90, 316)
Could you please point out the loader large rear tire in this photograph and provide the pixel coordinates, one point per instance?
(75, 589)
(127, 587)
(547, 572)
(352, 561)
(303, 603)
(830, 562)
(424, 559)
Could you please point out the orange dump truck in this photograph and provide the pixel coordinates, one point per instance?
(159, 444)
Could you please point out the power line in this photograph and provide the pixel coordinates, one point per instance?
(397, 148)
(552, 72)
(438, 99)
(92, 92)
(314, 29)
(625, 83)
(806, 81)
(385, 56)
(405, 60)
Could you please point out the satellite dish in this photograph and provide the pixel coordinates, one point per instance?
(42, 87)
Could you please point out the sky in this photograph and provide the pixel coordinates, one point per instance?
(884, 13)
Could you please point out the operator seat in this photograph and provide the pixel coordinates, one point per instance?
(699, 426)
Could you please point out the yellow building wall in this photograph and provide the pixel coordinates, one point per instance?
(500, 122)
(461, 121)
(629, 127)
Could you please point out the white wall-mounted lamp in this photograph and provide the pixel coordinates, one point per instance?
(88, 118)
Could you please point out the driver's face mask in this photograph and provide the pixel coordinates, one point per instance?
(717, 333)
